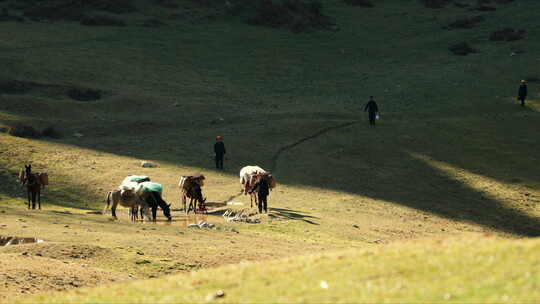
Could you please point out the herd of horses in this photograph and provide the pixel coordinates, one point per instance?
(133, 192)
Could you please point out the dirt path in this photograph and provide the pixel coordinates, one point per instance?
(280, 151)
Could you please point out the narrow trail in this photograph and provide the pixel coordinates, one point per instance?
(280, 151)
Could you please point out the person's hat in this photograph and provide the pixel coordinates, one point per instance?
(523, 81)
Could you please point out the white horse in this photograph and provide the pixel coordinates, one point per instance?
(248, 177)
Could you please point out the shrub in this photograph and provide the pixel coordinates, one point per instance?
(462, 49)
(435, 3)
(84, 94)
(507, 34)
(24, 131)
(51, 132)
(297, 15)
(102, 20)
(466, 23)
(363, 3)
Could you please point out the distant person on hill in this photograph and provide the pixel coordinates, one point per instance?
(522, 92)
(219, 149)
(372, 109)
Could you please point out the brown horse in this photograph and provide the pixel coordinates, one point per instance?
(34, 182)
(194, 193)
(126, 198)
(190, 187)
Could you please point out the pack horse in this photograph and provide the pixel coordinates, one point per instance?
(251, 178)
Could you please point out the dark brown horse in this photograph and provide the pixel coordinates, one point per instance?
(194, 193)
(34, 182)
(190, 187)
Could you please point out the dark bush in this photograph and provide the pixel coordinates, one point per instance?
(84, 94)
(51, 132)
(297, 15)
(466, 23)
(101, 20)
(435, 3)
(73, 10)
(507, 34)
(153, 23)
(462, 49)
(24, 131)
(363, 3)
(14, 87)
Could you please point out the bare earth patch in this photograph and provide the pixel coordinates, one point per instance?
(25, 274)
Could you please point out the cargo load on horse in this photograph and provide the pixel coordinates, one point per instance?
(131, 182)
(190, 187)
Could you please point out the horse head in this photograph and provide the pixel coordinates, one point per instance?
(167, 211)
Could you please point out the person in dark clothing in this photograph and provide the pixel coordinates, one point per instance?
(219, 149)
(372, 109)
(263, 190)
(522, 92)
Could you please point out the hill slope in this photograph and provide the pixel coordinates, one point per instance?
(452, 153)
(445, 270)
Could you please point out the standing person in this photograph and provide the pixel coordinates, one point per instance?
(219, 149)
(372, 109)
(522, 92)
(263, 190)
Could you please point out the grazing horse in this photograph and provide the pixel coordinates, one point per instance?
(34, 182)
(126, 198)
(190, 186)
(194, 193)
(153, 199)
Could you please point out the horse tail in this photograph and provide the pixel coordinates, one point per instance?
(108, 202)
(22, 177)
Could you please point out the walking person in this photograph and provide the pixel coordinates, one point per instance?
(372, 109)
(219, 149)
(522, 92)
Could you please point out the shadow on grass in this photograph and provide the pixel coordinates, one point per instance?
(383, 169)
(292, 215)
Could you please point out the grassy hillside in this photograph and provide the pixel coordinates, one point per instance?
(474, 269)
(452, 153)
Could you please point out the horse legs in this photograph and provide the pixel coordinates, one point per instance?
(28, 193)
(253, 198)
(113, 211)
(39, 199)
(133, 213)
(34, 195)
(184, 201)
(154, 213)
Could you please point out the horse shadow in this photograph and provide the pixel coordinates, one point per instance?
(292, 215)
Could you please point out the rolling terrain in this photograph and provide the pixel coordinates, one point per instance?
(433, 204)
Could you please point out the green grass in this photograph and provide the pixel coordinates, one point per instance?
(453, 152)
(473, 269)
